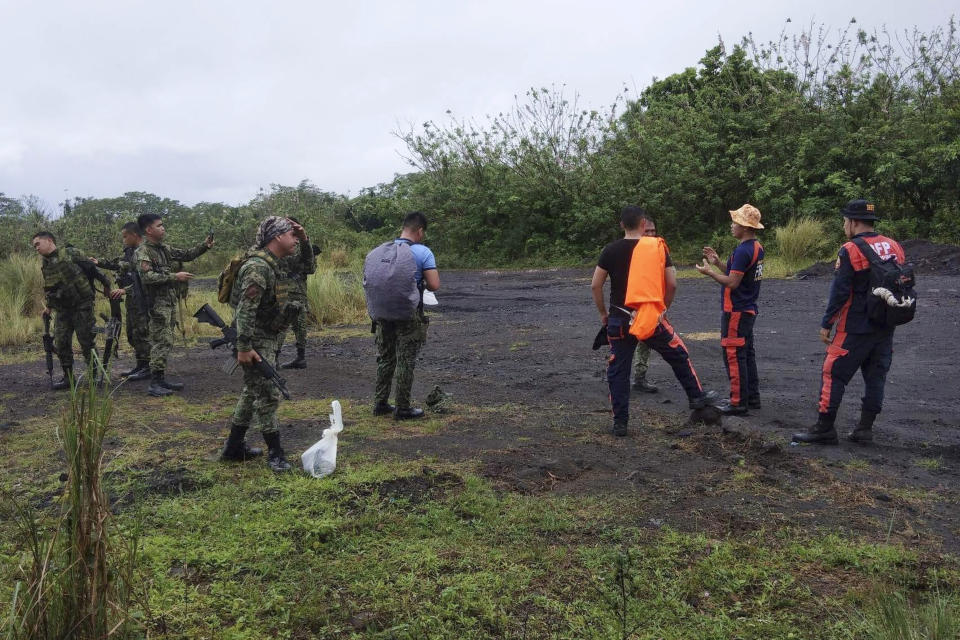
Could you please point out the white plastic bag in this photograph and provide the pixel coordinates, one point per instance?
(321, 459)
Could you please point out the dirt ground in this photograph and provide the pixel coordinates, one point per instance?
(514, 347)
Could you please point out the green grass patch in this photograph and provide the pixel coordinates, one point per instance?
(930, 464)
(427, 548)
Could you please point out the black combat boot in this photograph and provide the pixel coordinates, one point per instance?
(299, 363)
(709, 398)
(823, 432)
(139, 372)
(172, 386)
(729, 409)
(641, 384)
(64, 382)
(157, 388)
(863, 432)
(275, 459)
(236, 449)
(407, 414)
(619, 428)
(383, 408)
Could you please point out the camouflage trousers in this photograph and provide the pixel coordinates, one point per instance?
(398, 343)
(66, 323)
(260, 398)
(138, 329)
(299, 325)
(642, 357)
(163, 320)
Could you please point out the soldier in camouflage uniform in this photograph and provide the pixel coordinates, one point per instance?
(67, 275)
(137, 310)
(263, 310)
(154, 261)
(298, 266)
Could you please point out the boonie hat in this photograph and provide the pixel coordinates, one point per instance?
(860, 210)
(747, 216)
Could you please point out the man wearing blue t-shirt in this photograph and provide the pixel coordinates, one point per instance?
(399, 341)
(741, 290)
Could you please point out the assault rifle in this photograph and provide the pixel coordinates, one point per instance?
(208, 315)
(112, 332)
(48, 346)
(139, 293)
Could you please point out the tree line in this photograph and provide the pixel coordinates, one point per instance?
(796, 126)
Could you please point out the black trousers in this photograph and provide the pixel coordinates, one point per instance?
(664, 341)
(739, 357)
(871, 353)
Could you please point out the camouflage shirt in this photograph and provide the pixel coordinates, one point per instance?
(298, 266)
(262, 299)
(156, 264)
(66, 279)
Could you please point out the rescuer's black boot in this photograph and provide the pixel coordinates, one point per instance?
(823, 432)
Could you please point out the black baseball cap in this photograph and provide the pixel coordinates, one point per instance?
(860, 210)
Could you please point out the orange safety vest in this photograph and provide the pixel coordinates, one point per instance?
(646, 286)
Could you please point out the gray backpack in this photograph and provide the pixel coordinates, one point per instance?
(390, 282)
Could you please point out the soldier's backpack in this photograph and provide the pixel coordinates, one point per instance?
(390, 282)
(228, 277)
(891, 299)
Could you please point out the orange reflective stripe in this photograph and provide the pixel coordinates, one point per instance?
(835, 350)
(734, 375)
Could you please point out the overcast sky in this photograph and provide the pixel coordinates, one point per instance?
(213, 99)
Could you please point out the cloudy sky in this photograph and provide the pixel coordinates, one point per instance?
(213, 99)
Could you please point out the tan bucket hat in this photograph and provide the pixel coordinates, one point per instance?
(747, 216)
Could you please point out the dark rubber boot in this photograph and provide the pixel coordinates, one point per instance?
(383, 408)
(156, 388)
(641, 384)
(64, 382)
(409, 413)
(172, 386)
(863, 432)
(299, 363)
(236, 449)
(619, 429)
(823, 432)
(275, 459)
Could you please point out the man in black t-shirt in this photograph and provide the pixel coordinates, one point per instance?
(615, 261)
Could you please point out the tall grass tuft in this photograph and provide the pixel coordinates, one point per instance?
(891, 617)
(801, 239)
(336, 298)
(21, 299)
(80, 575)
(338, 257)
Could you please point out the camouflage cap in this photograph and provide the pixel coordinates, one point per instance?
(271, 228)
(437, 400)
